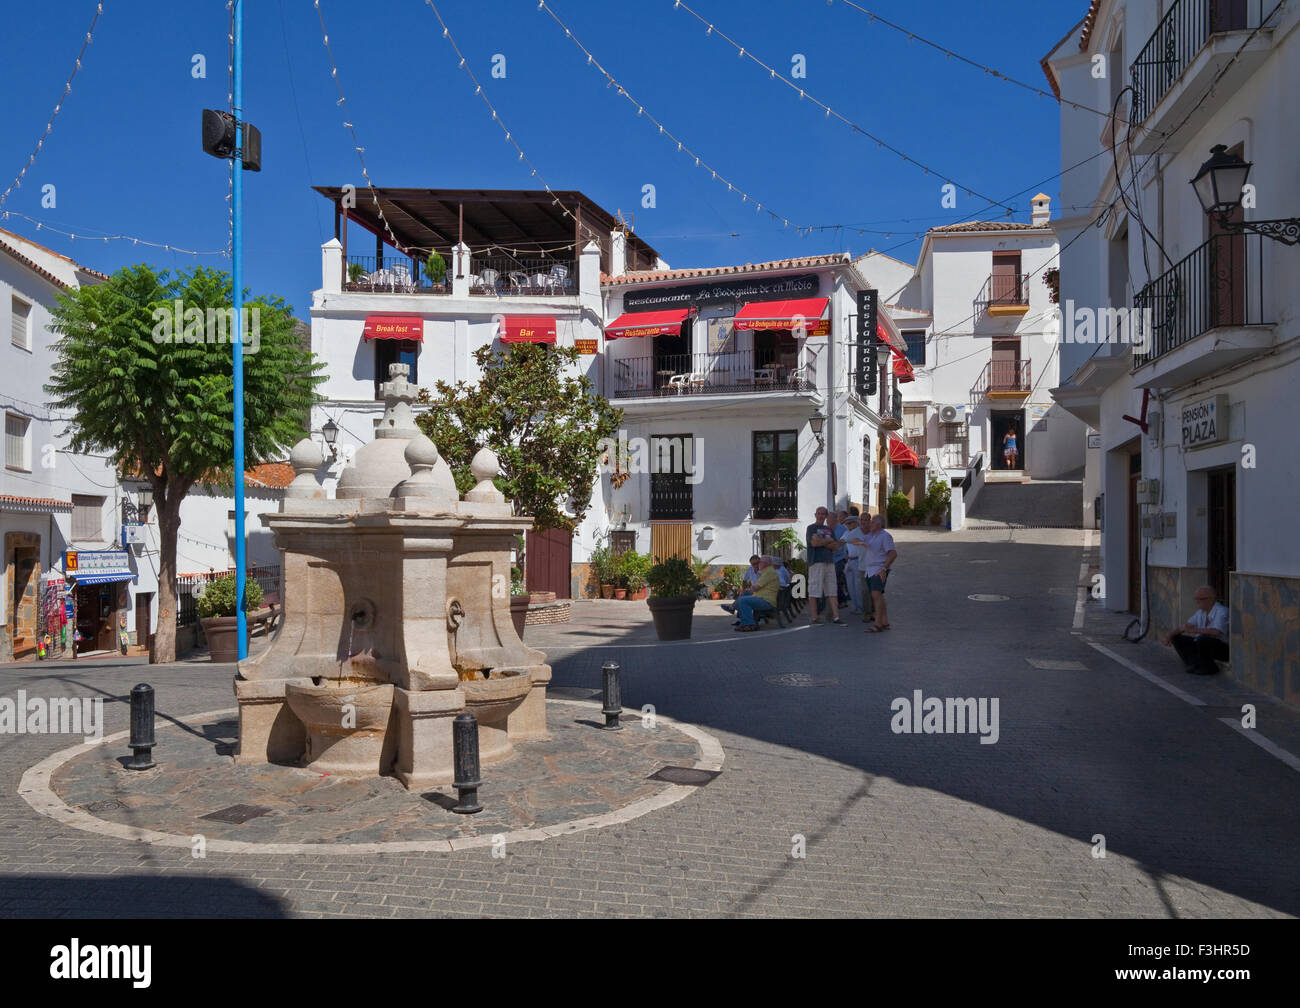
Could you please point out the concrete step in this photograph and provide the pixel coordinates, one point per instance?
(1029, 504)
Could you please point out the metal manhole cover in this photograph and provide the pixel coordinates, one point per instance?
(105, 806)
(989, 598)
(237, 814)
(802, 679)
(684, 775)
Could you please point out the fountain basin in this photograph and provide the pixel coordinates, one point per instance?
(492, 701)
(347, 727)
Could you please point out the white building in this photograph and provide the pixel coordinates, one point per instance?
(720, 372)
(1195, 459)
(982, 339)
(51, 501)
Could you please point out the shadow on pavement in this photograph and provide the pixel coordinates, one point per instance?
(132, 896)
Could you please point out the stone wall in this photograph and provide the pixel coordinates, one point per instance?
(1172, 592)
(1266, 634)
(552, 612)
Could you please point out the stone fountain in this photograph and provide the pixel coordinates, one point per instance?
(396, 598)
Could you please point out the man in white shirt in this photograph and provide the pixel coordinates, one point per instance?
(854, 539)
(752, 573)
(1203, 639)
(880, 557)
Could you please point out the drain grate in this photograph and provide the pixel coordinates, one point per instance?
(237, 814)
(801, 679)
(111, 805)
(684, 775)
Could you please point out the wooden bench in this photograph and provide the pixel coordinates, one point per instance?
(267, 616)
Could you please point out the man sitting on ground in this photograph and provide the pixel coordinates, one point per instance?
(1203, 639)
(764, 597)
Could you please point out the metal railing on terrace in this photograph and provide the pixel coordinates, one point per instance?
(1220, 283)
(1181, 34)
(190, 586)
(745, 371)
(1004, 290)
(775, 497)
(389, 274)
(506, 275)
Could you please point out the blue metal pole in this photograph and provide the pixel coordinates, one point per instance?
(237, 276)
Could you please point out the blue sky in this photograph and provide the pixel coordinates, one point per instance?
(124, 152)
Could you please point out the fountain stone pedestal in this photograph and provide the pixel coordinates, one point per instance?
(396, 617)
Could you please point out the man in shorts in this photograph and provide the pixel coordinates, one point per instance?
(880, 557)
(821, 543)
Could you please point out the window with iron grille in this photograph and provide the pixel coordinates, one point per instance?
(620, 541)
(87, 517)
(776, 474)
(21, 312)
(17, 450)
(671, 461)
(915, 339)
(954, 444)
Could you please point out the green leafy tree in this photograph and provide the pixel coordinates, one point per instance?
(160, 402)
(543, 424)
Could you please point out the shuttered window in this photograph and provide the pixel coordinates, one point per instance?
(87, 517)
(16, 453)
(18, 323)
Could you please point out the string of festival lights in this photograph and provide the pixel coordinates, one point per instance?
(744, 53)
(49, 125)
(79, 236)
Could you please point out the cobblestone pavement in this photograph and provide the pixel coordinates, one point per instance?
(1198, 817)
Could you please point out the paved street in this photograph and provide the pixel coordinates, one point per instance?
(1198, 820)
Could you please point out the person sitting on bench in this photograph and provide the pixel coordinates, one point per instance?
(763, 599)
(1203, 639)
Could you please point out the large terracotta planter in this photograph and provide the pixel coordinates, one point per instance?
(607, 591)
(222, 633)
(519, 612)
(620, 593)
(639, 594)
(672, 616)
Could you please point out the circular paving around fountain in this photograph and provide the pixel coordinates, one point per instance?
(581, 778)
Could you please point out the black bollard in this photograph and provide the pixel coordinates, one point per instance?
(464, 739)
(142, 740)
(613, 705)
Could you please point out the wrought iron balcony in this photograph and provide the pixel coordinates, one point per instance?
(775, 497)
(508, 275)
(1180, 36)
(1004, 294)
(389, 274)
(1003, 379)
(705, 374)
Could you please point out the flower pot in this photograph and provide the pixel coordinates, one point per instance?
(715, 595)
(672, 616)
(640, 594)
(519, 612)
(620, 593)
(223, 640)
(606, 591)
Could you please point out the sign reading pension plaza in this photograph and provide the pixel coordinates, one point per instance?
(1204, 421)
(762, 288)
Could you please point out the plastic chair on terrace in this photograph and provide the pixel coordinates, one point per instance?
(559, 276)
(488, 280)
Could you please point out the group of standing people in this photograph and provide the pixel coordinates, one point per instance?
(848, 562)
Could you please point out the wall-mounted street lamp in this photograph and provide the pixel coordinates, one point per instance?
(817, 423)
(331, 434)
(1219, 186)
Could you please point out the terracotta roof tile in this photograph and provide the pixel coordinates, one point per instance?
(1089, 21)
(57, 255)
(973, 226)
(647, 276)
(274, 475)
(48, 503)
(31, 264)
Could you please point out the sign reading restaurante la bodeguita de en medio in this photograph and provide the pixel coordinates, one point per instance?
(763, 288)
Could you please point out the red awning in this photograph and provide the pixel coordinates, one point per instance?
(528, 329)
(404, 327)
(901, 454)
(903, 369)
(808, 316)
(882, 334)
(651, 323)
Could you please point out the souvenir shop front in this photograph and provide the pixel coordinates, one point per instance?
(100, 599)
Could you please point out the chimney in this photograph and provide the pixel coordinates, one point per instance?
(1042, 205)
(617, 253)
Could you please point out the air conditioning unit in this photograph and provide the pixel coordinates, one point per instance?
(1148, 491)
(1153, 526)
(952, 414)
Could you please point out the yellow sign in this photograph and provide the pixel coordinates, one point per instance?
(585, 346)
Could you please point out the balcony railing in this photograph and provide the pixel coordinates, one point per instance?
(389, 274)
(1219, 284)
(1007, 377)
(508, 275)
(671, 499)
(705, 374)
(776, 497)
(1004, 290)
(1181, 34)
(917, 442)
(891, 409)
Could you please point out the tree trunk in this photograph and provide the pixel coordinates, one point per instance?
(169, 522)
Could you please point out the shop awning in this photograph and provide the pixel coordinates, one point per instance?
(903, 369)
(403, 327)
(882, 334)
(528, 329)
(901, 454)
(651, 323)
(101, 577)
(810, 316)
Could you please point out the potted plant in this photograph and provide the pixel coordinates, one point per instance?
(356, 273)
(436, 268)
(719, 586)
(731, 584)
(937, 499)
(633, 568)
(899, 508)
(216, 609)
(790, 540)
(602, 570)
(519, 599)
(672, 606)
(700, 568)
